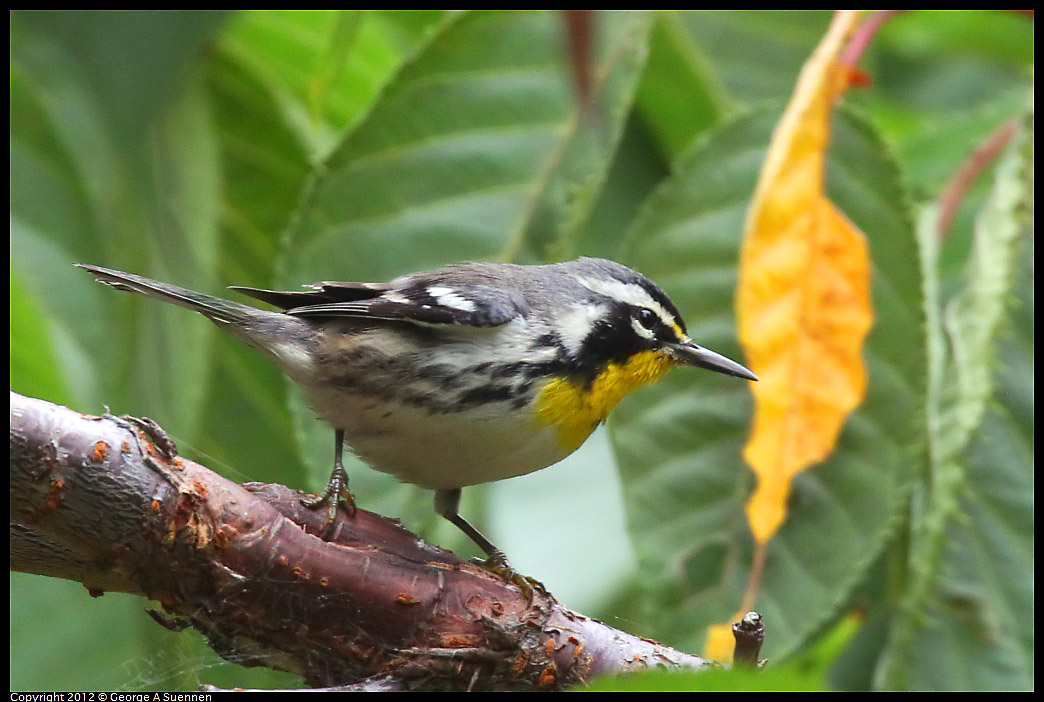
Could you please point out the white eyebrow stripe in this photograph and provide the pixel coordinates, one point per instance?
(574, 325)
(629, 293)
(448, 297)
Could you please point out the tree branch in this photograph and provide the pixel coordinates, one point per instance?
(105, 501)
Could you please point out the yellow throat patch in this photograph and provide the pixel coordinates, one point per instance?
(577, 410)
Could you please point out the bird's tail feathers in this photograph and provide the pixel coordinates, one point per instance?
(216, 308)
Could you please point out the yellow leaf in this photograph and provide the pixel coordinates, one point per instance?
(721, 642)
(803, 301)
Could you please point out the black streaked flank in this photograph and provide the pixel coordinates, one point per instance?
(484, 394)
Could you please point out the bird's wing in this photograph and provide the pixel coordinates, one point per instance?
(418, 300)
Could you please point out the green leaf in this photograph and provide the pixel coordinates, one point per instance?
(464, 147)
(940, 84)
(756, 55)
(962, 622)
(972, 319)
(678, 96)
(140, 142)
(789, 678)
(116, 198)
(132, 188)
(638, 168)
(84, 628)
(935, 149)
(806, 673)
(265, 163)
(679, 444)
(35, 371)
(323, 67)
(952, 59)
(475, 150)
(332, 63)
(132, 63)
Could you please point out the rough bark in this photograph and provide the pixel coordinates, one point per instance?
(107, 502)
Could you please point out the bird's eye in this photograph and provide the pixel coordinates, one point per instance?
(647, 318)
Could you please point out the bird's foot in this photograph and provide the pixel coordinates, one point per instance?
(497, 563)
(334, 496)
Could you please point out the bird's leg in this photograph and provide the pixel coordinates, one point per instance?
(447, 504)
(336, 490)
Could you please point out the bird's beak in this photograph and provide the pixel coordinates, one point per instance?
(689, 353)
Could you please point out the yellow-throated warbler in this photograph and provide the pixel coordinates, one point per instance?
(465, 374)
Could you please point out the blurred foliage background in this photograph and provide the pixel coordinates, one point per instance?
(273, 148)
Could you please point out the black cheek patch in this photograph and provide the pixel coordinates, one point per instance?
(613, 340)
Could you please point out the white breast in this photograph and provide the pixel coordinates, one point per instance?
(440, 451)
(433, 447)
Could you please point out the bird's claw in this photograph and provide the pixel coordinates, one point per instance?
(498, 564)
(335, 495)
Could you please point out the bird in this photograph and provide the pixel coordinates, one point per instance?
(465, 374)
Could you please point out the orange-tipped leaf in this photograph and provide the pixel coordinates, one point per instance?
(803, 301)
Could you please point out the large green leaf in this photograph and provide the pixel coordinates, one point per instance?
(283, 84)
(35, 370)
(679, 96)
(448, 136)
(139, 198)
(937, 82)
(112, 161)
(476, 140)
(264, 161)
(790, 678)
(756, 55)
(323, 67)
(133, 63)
(679, 444)
(962, 618)
(477, 149)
